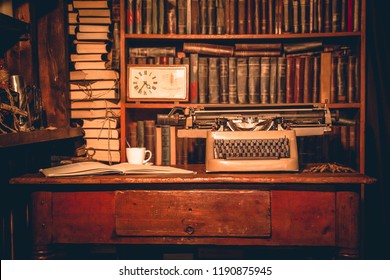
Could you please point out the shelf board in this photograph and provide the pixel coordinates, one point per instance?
(146, 105)
(38, 136)
(240, 36)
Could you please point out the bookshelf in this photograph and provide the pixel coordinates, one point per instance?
(349, 32)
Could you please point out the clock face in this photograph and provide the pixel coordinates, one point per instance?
(157, 82)
(145, 82)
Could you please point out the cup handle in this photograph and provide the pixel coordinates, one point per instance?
(149, 157)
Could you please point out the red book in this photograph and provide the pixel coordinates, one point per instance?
(350, 16)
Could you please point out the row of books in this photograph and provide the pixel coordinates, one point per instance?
(241, 17)
(162, 140)
(94, 76)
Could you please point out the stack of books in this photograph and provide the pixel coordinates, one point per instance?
(94, 76)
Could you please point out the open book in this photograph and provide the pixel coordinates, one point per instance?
(98, 168)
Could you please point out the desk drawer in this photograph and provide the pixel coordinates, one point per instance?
(195, 213)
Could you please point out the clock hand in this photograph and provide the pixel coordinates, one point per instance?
(142, 87)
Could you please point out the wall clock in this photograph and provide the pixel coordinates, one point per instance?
(157, 82)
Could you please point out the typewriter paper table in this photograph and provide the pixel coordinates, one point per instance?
(270, 209)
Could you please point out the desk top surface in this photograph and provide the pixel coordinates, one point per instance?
(201, 177)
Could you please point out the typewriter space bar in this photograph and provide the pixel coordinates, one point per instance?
(250, 158)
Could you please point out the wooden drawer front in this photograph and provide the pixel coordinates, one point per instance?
(193, 213)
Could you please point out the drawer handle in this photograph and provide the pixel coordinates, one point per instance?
(189, 230)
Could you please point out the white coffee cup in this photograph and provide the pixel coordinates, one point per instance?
(137, 155)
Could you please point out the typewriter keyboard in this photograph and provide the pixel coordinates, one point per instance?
(251, 148)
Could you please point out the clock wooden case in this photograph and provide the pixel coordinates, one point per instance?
(157, 82)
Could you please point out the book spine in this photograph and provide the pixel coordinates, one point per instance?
(129, 17)
(305, 13)
(172, 145)
(286, 16)
(290, 78)
(132, 137)
(171, 19)
(316, 79)
(220, 17)
(325, 76)
(158, 145)
(264, 17)
(152, 51)
(195, 16)
(203, 79)
(138, 16)
(258, 47)
(320, 15)
(188, 17)
(256, 53)
(327, 16)
(256, 17)
(271, 17)
(351, 79)
(350, 4)
(161, 16)
(208, 49)
(265, 66)
(194, 78)
(181, 16)
(281, 80)
(203, 16)
(232, 68)
(224, 80)
(227, 16)
(295, 12)
(233, 17)
(154, 17)
(165, 145)
(273, 80)
(356, 15)
(140, 134)
(147, 16)
(308, 80)
(249, 16)
(242, 80)
(213, 80)
(150, 137)
(254, 80)
(333, 80)
(211, 17)
(343, 20)
(342, 79)
(241, 17)
(336, 15)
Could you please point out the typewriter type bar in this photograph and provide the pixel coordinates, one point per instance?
(251, 151)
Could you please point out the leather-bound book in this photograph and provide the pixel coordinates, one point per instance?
(140, 134)
(264, 16)
(313, 16)
(130, 16)
(343, 20)
(350, 4)
(325, 77)
(305, 13)
(154, 17)
(256, 53)
(203, 79)
(181, 16)
(249, 16)
(327, 19)
(287, 22)
(242, 80)
(351, 79)
(132, 129)
(194, 78)
(208, 49)
(211, 17)
(265, 66)
(232, 68)
(302, 47)
(320, 15)
(257, 17)
(333, 79)
(233, 17)
(258, 47)
(161, 16)
(241, 18)
(227, 16)
(336, 15)
(138, 16)
(308, 80)
(316, 79)
(271, 17)
(195, 16)
(165, 145)
(170, 16)
(213, 80)
(273, 80)
(299, 77)
(149, 130)
(224, 80)
(356, 15)
(203, 16)
(342, 72)
(281, 80)
(254, 80)
(295, 16)
(220, 17)
(290, 78)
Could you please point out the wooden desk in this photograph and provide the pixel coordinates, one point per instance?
(283, 209)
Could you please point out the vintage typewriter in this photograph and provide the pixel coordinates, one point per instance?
(254, 138)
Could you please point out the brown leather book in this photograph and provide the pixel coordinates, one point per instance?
(213, 82)
(257, 53)
(132, 130)
(208, 49)
(203, 16)
(299, 78)
(194, 78)
(308, 80)
(336, 15)
(211, 17)
(265, 66)
(242, 80)
(281, 80)
(220, 17)
(241, 18)
(327, 19)
(264, 16)
(227, 16)
(138, 16)
(140, 134)
(271, 17)
(181, 16)
(356, 15)
(149, 129)
(295, 16)
(287, 15)
(351, 79)
(232, 68)
(305, 13)
(254, 80)
(233, 17)
(302, 47)
(224, 80)
(333, 80)
(325, 77)
(195, 16)
(249, 16)
(147, 17)
(290, 78)
(170, 16)
(273, 80)
(203, 79)
(342, 79)
(258, 47)
(316, 79)
(257, 17)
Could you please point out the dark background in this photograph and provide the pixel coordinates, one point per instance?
(376, 198)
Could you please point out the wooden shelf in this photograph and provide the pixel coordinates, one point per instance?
(241, 36)
(38, 136)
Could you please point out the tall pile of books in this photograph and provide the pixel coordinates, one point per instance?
(94, 75)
